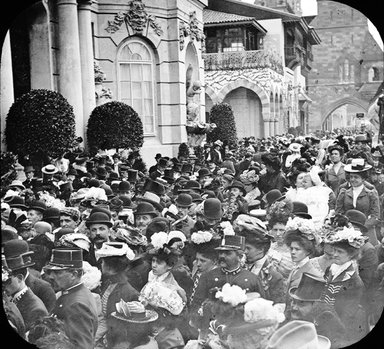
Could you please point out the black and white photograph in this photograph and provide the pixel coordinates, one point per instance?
(192, 174)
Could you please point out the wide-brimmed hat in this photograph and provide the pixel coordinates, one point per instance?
(260, 213)
(16, 202)
(237, 184)
(17, 184)
(361, 138)
(38, 205)
(65, 257)
(358, 219)
(295, 147)
(232, 243)
(300, 209)
(357, 166)
(115, 249)
(212, 209)
(145, 208)
(298, 334)
(184, 200)
(28, 169)
(310, 288)
(131, 236)
(98, 218)
(153, 199)
(134, 312)
(49, 169)
(204, 172)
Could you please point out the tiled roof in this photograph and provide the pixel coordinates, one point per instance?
(211, 17)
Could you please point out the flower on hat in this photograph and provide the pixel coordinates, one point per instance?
(77, 239)
(158, 240)
(227, 228)
(305, 226)
(176, 234)
(249, 176)
(232, 294)
(260, 309)
(354, 237)
(91, 277)
(97, 194)
(51, 201)
(201, 237)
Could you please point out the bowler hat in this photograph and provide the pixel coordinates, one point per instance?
(126, 201)
(237, 184)
(155, 187)
(232, 243)
(98, 218)
(28, 169)
(272, 196)
(93, 183)
(169, 175)
(162, 162)
(310, 288)
(38, 205)
(196, 197)
(49, 169)
(19, 262)
(113, 176)
(358, 219)
(145, 208)
(300, 210)
(191, 185)
(102, 210)
(212, 209)
(51, 214)
(158, 156)
(124, 186)
(204, 172)
(66, 187)
(298, 334)
(64, 258)
(184, 200)
(187, 168)
(16, 202)
(14, 248)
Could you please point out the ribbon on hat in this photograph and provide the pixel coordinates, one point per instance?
(358, 164)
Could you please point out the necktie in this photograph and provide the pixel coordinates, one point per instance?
(195, 283)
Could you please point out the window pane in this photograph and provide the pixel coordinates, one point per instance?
(137, 90)
(136, 70)
(125, 54)
(125, 74)
(147, 90)
(136, 104)
(147, 72)
(125, 90)
(148, 107)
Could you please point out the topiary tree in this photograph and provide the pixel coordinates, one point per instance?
(222, 115)
(115, 125)
(40, 123)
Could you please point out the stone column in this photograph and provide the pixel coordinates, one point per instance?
(276, 127)
(86, 56)
(266, 128)
(69, 64)
(6, 84)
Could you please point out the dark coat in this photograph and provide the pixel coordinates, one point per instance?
(334, 180)
(216, 278)
(276, 180)
(43, 290)
(345, 294)
(31, 308)
(78, 310)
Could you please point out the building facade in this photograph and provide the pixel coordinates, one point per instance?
(347, 68)
(140, 49)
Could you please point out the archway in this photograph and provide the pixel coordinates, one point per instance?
(247, 109)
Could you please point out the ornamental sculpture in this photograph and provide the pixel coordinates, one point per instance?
(192, 30)
(136, 17)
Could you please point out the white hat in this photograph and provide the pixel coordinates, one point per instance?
(49, 169)
(298, 334)
(112, 249)
(295, 147)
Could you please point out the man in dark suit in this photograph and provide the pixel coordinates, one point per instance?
(30, 306)
(76, 306)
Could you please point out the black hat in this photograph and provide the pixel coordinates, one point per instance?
(145, 208)
(17, 254)
(16, 202)
(237, 184)
(212, 208)
(98, 218)
(300, 210)
(101, 172)
(271, 160)
(191, 185)
(132, 175)
(187, 168)
(64, 258)
(310, 288)
(124, 186)
(113, 176)
(184, 200)
(93, 183)
(28, 169)
(196, 197)
(51, 214)
(358, 219)
(162, 162)
(169, 175)
(158, 156)
(273, 195)
(63, 231)
(204, 172)
(155, 187)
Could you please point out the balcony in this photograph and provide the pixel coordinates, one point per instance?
(235, 60)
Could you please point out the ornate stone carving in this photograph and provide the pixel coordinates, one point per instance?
(136, 17)
(102, 94)
(192, 30)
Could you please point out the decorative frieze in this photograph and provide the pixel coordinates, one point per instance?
(192, 30)
(136, 17)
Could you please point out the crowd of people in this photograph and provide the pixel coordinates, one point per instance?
(276, 243)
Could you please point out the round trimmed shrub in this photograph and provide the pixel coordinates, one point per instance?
(222, 115)
(115, 125)
(40, 123)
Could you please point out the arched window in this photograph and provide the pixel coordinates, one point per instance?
(136, 81)
(346, 70)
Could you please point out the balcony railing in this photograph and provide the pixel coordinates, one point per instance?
(242, 60)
